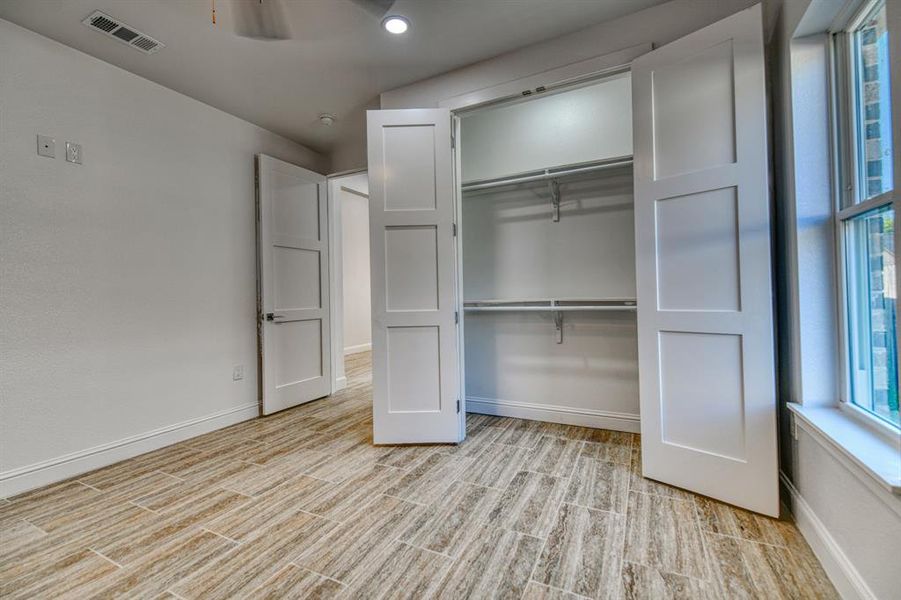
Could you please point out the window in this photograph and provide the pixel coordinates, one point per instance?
(866, 214)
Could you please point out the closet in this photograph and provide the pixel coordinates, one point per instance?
(588, 245)
(548, 257)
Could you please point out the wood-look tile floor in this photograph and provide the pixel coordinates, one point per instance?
(301, 504)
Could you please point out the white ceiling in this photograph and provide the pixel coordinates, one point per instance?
(338, 61)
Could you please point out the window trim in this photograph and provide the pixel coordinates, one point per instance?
(846, 192)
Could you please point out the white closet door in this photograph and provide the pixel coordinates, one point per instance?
(293, 251)
(414, 335)
(702, 225)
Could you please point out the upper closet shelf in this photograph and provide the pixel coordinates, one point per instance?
(548, 174)
(551, 176)
(549, 305)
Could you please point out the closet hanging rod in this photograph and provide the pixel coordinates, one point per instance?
(526, 308)
(550, 305)
(546, 174)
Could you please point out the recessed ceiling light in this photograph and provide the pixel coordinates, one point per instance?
(327, 119)
(395, 24)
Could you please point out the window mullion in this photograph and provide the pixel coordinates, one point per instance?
(865, 206)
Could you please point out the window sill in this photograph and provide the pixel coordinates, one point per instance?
(864, 448)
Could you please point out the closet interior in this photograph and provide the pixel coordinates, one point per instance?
(548, 256)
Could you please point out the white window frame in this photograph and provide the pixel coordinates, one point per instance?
(847, 190)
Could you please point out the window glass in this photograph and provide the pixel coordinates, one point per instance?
(874, 127)
(870, 272)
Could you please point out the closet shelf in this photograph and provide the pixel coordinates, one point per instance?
(556, 307)
(547, 174)
(550, 306)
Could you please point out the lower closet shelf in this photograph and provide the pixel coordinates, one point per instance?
(557, 307)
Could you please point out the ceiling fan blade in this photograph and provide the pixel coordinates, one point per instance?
(261, 20)
(376, 8)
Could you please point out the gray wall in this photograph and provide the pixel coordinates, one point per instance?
(129, 282)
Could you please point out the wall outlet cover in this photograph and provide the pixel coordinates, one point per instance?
(73, 153)
(46, 146)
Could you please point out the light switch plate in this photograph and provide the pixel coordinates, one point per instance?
(238, 373)
(73, 153)
(46, 146)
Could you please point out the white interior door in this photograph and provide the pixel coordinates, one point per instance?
(702, 224)
(293, 253)
(415, 374)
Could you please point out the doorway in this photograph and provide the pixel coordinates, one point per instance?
(349, 277)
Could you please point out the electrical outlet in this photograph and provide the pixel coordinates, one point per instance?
(238, 373)
(46, 146)
(73, 153)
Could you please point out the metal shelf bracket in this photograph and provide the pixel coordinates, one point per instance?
(554, 190)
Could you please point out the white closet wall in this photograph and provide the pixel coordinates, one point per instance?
(579, 125)
(513, 250)
(514, 367)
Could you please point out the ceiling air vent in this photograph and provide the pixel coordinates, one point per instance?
(121, 32)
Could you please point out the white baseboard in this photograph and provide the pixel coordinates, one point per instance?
(357, 349)
(554, 414)
(26, 478)
(844, 576)
(340, 383)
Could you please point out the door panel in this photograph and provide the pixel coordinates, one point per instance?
(413, 253)
(293, 252)
(296, 278)
(696, 237)
(691, 95)
(715, 359)
(414, 390)
(415, 188)
(297, 351)
(702, 223)
(411, 268)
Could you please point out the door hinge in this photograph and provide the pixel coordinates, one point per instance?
(454, 229)
(453, 141)
(458, 405)
(456, 317)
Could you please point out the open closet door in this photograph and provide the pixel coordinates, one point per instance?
(415, 375)
(293, 286)
(702, 225)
